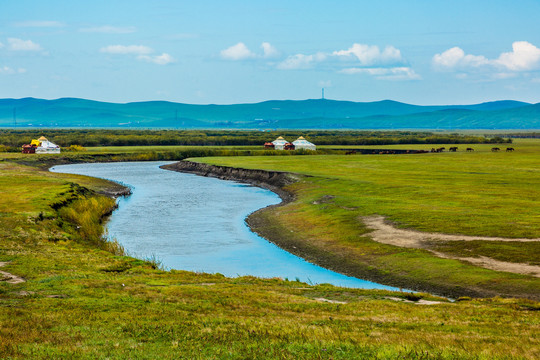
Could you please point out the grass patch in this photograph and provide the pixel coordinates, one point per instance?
(517, 252)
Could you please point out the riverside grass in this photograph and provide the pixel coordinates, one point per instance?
(80, 301)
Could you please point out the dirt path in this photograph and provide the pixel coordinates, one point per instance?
(9, 278)
(386, 233)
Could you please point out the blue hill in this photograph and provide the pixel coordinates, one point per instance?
(318, 113)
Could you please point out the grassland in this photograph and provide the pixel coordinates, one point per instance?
(481, 193)
(79, 300)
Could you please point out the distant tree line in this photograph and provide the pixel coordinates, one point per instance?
(15, 138)
(523, 135)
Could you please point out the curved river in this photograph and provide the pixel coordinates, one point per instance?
(196, 223)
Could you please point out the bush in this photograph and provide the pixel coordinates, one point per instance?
(75, 148)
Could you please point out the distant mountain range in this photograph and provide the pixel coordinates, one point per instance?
(275, 114)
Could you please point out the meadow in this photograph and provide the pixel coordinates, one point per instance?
(83, 298)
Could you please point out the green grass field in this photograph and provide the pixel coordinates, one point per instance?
(81, 301)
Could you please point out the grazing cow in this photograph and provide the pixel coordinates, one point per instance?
(470, 149)
(495, 149)
(453, 149)
(441, 149)
(509, 149)
(433, 150)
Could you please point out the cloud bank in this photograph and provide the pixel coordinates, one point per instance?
(141, 52)
(523, 57)
(386, 64)
(240, 51)
(237, 52)
(127, 49)
(15, 44)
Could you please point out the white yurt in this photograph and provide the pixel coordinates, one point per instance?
(47, 147)
(279, 143)
(302, 143)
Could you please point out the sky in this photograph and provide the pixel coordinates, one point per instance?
(227, 52)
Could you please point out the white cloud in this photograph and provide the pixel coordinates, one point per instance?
(237, 52)
(127, 49)
(9, 71)
(455, 58)
(301, 61)
(369, 55)
(241, 52)
(23, 45)
(143, 53)
(387, 64)
(392, 73)
(269, 50)
(162, 59)
(524, 57)
(358, 56)
(40, 23)
(108, 29)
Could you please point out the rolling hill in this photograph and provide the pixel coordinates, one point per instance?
(274, 114)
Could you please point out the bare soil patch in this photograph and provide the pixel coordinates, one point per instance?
(8, 277)
(386, 233)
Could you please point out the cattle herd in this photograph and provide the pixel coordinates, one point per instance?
(455, 148)
(433, 150)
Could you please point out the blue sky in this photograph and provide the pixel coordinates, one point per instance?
(421, 52)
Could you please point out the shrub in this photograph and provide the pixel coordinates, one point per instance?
(75, 148)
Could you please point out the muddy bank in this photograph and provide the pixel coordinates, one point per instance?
(272, 180)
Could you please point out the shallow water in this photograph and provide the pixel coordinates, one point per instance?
(196, 223)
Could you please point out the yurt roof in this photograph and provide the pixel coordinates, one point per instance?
(43, 138)
(302, 141)
(279, 140)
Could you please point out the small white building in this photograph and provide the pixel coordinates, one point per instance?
(47, 147)
(302, 143)
(279, 143)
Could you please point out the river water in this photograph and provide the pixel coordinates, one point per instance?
(196, 223)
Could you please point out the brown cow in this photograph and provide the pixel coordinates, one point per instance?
(509, 149)
(495, 149)
(470, 149)
(453, 149)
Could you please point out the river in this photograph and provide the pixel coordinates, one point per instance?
(197, 223)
